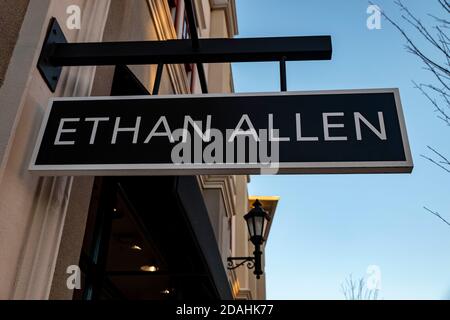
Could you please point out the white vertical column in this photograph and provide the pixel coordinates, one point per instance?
(41, 245)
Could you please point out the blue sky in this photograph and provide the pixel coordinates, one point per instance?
(330, 226)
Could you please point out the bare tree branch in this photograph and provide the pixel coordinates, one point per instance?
(416, 23)
(445, 160)
(435, 162)
(443, 163)
(445, 4)
(445, 23)
(437, 215)
(439, 95)
(439, 40)
(439, 71)
(356, 290)
(442, 113)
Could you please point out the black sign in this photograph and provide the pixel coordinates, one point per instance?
(296, 132)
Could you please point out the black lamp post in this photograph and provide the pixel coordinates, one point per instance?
(256, 219)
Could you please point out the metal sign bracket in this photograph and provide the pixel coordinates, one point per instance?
(57, 52)
(50, 72)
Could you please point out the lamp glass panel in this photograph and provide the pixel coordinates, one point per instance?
(251, 226)
(259, 225)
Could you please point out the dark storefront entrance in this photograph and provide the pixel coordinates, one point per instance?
(149, 237)
(140, 242)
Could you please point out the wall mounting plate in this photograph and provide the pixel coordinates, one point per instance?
(49, 72)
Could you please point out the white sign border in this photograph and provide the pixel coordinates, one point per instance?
(246, 168)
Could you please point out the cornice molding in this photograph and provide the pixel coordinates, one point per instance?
(244, 294)
(227, 186)
(229, 6)
(238, 292)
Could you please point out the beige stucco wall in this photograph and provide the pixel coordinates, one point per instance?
(13, 12)
(33, 209)
(16, 189)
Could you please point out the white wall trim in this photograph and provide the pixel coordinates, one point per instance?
(229, 7)
(15, 81)
(35, 273)
(200, 14)
(227, 186)
(244, 294)
(40, 251)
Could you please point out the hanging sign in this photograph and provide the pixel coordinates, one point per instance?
(348, 131)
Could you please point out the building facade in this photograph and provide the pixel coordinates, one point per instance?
(130, 237)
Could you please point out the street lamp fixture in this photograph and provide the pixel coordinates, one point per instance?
(256, 219)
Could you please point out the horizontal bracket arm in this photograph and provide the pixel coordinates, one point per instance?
(181, 51)
(56, 52)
